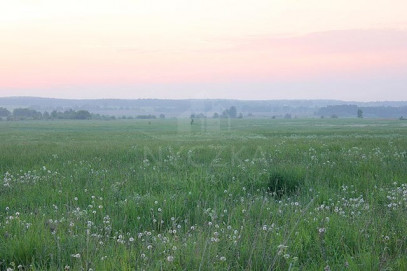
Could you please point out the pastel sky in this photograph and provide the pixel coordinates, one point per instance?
(261, 49)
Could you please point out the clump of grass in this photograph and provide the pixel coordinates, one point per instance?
(285, 181)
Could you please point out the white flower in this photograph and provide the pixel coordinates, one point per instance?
(170, 258)
(264, 227)
(321, 230)
(223, 258)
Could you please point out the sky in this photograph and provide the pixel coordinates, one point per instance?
(261, 49)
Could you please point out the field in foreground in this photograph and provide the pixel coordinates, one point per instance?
(217, 195)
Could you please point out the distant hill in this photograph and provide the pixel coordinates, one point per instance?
(184, 108)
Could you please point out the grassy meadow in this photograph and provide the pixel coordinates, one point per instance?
(316, 194)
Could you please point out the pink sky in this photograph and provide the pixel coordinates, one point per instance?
(352, 50)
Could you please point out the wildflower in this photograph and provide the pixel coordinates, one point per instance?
(222, 258)
(170, 258)
(76, 255)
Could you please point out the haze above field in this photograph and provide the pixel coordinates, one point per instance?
(268, 49)
(210, 107)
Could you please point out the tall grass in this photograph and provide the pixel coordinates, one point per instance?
(240, 195)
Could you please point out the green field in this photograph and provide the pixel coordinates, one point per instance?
(322, 194)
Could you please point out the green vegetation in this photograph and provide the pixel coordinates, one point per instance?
(222, 194)
(30, 114)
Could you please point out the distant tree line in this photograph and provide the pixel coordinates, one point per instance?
(143, 117)
(353, 111)
(227, 113)
(70, 114)
(31, 114)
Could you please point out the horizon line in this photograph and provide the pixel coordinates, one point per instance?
(192, 99)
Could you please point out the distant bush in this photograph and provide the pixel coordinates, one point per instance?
(82, 115)
(285, 181)
(26, 113)
(4, 112)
